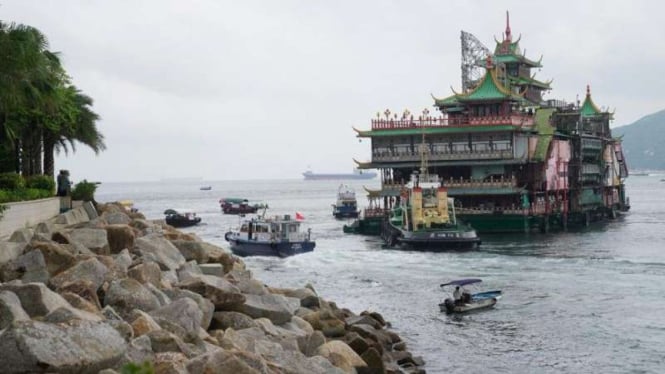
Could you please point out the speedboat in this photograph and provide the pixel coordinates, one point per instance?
(181, 217)
(346, 205)
(469, 301)
(277, 236)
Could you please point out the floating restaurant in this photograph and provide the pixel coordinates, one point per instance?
(512, 161)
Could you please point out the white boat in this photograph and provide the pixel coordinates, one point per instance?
(346, 205)
(469, 301)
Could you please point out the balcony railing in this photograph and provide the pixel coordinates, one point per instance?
(411, 123)
(386, 155)
(501, 182)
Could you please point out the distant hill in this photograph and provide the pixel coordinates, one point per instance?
(644, 142)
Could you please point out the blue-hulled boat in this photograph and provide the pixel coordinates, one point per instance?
(346, 205)
(469, 301)
(278, 236)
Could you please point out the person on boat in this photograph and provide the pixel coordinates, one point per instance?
(457, 296)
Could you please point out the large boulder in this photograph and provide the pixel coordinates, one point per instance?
(36, 299)
(94, 239)
(23, 235)
(56, 256)
(28, 267)
(234, 320)
(142, 322)
(206, 306)
(116, 218)
(147, 272)
(82, 288)
(308, 298)
(220, 292)
(120, 237)
(244, 281)
(124, 295)
(75, 347)
(11, 309)
(341, 355)
(161, 251)
(197, 250)
(183, 312)
(10, 251)
(277, 308)
(228, 362)
(90, 270)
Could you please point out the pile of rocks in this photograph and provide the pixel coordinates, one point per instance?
(85, 293)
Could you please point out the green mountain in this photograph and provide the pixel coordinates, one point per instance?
(644, 142)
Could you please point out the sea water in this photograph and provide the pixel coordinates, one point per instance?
(589, 301)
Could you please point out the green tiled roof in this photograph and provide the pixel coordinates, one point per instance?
(529, 81)
(515, 58)
(489, 89)
(589, 108)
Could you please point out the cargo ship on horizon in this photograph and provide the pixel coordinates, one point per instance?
(357, 174)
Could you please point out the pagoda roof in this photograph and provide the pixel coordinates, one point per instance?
(515, 58)
(508, 51)
(489, 89)
(589, 108)
(530, 82)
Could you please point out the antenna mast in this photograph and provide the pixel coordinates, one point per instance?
(474, 55)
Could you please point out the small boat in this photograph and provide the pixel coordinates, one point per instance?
(234, 205)
(346, 205)
(205, 188)
(277, 236)
(469, 301)
(181, 218)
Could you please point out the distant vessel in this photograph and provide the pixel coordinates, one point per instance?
(346, 205)
(357, 174)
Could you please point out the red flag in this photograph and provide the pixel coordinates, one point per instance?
(300, 216)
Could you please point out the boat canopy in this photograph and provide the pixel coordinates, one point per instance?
(178, 211)
(462, 282)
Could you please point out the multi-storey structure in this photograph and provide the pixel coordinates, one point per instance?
(511, 160)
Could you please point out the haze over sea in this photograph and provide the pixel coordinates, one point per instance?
(588, 301)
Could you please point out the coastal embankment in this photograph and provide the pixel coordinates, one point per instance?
(97, 288)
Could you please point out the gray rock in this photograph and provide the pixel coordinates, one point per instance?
(10, 251)
(165, 341)
(244, 281)
(116, 218)
(124, 295)
(363, 319)
(212, 269)
(28, 267)
(308, 344)
(183, 312)
(90, 210)
(197, 250)
(123, 260)
(226, 362)
(170, 362)
(76, 347)
(56, 256)
(87, 270)
(160, 250)
(139, 350)
(277, 308)
(11, 309)
(147, 272)
(36, 299)
(66, 314)
(234, 320)
(23, 235)
(95, 240)
(219, 291)
(205, 305)
(161, 296)
(45, 228)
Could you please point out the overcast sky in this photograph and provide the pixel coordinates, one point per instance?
(265, 89)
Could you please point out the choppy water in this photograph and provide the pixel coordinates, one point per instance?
(591, 301)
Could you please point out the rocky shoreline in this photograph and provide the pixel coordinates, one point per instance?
(96, 289)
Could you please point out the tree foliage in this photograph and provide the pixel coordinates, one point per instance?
(41, 112)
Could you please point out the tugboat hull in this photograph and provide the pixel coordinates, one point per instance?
(245, 248)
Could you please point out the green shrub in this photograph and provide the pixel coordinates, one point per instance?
(132, 368)
(84, 191)
(42, 182)
(24, 194)
(11, 181)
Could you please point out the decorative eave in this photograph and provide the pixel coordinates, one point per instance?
(363, 165)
